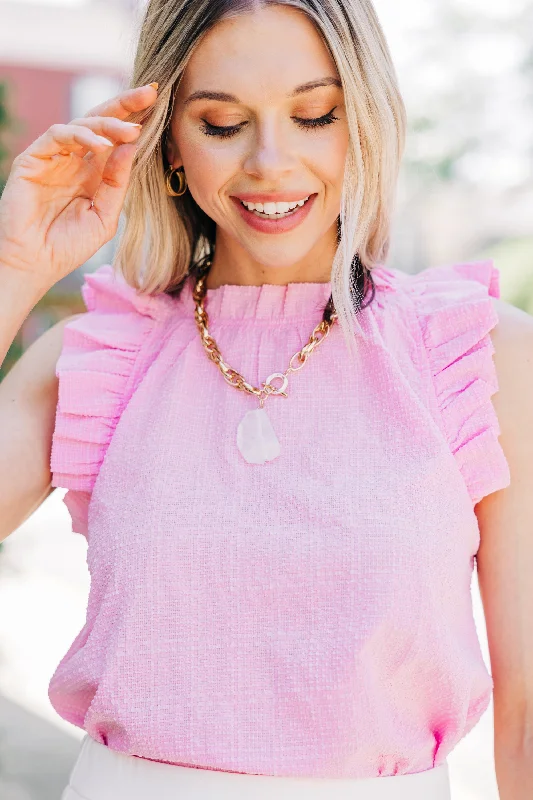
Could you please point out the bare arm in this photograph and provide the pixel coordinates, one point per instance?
(18, 295)
(28, 399)
(505, 558)
(61, 203)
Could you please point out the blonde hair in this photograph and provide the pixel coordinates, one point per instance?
(163, 235)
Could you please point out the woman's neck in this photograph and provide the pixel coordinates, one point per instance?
(234, 265)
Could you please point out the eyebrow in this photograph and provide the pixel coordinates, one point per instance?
(224, 97)
(308, 87)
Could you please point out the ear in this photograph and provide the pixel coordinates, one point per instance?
(172, 151)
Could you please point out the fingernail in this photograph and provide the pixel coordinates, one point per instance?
(104, 140)
(155, 85)
(134, 124)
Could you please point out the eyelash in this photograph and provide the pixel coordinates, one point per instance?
(225, 132)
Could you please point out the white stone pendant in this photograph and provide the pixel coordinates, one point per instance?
(256, 438)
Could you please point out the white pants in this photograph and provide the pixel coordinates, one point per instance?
(100, 773)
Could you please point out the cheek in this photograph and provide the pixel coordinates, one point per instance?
(334, 163)
(328, 154)
(208, 167)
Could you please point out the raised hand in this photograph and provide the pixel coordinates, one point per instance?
(64, 193)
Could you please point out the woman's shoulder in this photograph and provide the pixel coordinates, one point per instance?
(443, 283)
(512, 340)
(458, 307)
(455, 314)
(117, 320)
(453, 305)
(106, 291)
(118, 317)
(103, 356)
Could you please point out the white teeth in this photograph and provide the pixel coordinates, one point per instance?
(274, 209)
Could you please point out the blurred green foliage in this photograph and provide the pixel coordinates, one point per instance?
(514, 258)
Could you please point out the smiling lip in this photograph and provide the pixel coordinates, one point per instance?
(272, 197)
(279, 225)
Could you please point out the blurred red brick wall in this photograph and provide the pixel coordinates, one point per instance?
(36, 98)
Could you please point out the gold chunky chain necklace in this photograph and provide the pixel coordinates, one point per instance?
(256, 438)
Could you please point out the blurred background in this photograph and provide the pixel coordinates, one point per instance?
(465, 193)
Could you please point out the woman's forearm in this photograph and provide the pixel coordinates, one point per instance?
(18, 296)
(514, 773)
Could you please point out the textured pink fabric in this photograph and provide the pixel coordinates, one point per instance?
(310, 616)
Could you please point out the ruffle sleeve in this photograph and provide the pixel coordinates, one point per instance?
(456, 315)
(95, 370)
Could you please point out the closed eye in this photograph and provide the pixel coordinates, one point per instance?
(224, 131)
(317, 122)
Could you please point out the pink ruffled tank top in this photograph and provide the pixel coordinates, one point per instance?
(309, 616)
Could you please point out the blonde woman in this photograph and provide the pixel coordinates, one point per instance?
(284, 454)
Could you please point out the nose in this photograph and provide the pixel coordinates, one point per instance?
(271, 155)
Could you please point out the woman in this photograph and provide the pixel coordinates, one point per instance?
(280, 542)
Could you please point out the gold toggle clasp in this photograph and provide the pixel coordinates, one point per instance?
(269, 388)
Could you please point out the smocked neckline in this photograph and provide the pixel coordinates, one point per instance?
(305, 300)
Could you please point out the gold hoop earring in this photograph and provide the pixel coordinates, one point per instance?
(183, 181)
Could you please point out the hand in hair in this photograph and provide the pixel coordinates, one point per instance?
(64, 193)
